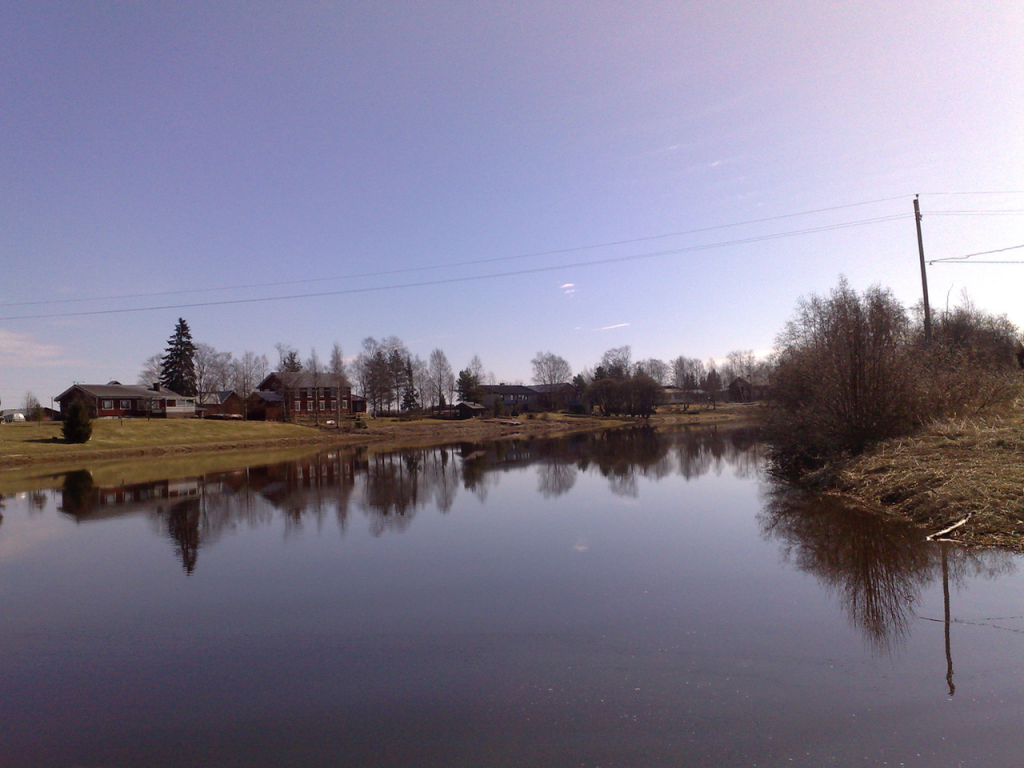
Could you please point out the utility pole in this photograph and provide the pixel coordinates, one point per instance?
(924, 274)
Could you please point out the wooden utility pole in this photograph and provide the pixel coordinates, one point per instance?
(924, 274)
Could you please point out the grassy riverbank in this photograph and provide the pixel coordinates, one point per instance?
(138, 448)
(962, 472)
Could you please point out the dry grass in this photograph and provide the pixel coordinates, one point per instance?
(954, 470)
(43, 441)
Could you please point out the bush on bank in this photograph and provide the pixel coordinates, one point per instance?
(852, 369)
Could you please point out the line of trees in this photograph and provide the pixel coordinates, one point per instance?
(392, 379)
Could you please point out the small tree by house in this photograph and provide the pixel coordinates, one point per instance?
(77, 425)
(32, 407)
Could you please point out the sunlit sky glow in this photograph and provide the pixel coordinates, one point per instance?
(163, 148)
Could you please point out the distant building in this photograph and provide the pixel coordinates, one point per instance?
(116, 400)
(469, 410)
(220, 405)
(511, 396)
(742, 391)
(558, 396)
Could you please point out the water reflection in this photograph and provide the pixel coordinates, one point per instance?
(389, 488)
(877, 567)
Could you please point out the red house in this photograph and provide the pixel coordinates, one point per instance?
(305, 395)
(116, 400)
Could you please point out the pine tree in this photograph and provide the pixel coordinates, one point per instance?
(178, 370)
(77, 425)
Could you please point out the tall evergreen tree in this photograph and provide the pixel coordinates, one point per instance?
(178, 370)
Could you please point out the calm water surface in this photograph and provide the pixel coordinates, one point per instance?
(622, 599)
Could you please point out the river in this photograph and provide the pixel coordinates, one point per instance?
(627, 598)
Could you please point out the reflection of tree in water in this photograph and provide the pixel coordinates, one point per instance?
(395, 485)
(555, 478)
(390, 488)
(183, 522)
(876, 566)
(37, 501)
(700, 451)
(624, 454)
(79, 496)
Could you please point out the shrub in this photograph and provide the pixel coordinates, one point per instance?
(969, 367)
(850, 370)
(77, 424)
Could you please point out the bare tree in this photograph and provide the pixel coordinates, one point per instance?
(316, 372)
(396, 369)
(550, 370)
(688, 372)
(151, 368)
(33, 410)
(615, 364)
(211, 369)
(339, 376)
(655, 369)
(739, 362)
(246, 373)
(421, 381)
(442, 379)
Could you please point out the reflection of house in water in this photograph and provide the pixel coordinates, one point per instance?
(85, 501)
(306, 485)
(390, 487)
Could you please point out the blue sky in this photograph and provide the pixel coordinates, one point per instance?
(171, 147)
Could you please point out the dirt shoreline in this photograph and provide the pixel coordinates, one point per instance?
(959, 481)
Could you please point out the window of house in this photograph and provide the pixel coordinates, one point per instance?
(172, 403)
(126, 405)
(108, 405)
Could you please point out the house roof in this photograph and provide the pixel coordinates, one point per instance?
(117, 391)
(543, 388)
(507, 389)
(301, 379)
(267, 396)
(215, 398)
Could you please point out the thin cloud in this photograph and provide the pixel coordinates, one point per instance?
(21, 350)
(610, 327)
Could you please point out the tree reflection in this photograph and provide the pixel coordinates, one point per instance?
(390, 488)
(78, 494)
(555, 478)
(876, 566)
(183, 528)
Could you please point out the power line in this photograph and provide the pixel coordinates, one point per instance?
(451, 280)
(953, 259)
(996, 212)
(1004, 192)
(452, 265)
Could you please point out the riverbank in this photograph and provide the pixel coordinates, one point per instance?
(34, 451)
(960, 481)
(27, 444)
